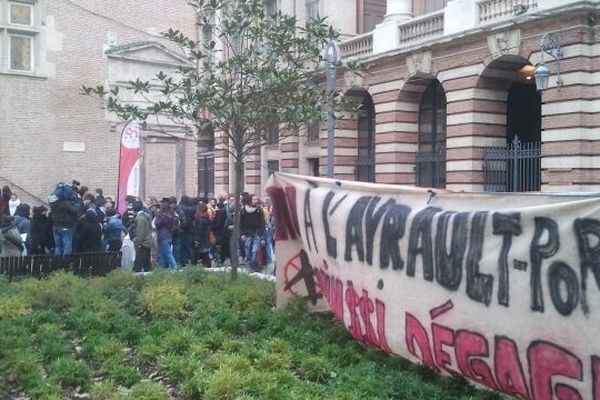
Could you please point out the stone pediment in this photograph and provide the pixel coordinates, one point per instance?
(148, 53)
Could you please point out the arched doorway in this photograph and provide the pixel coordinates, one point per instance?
(365, 160)
(431, 157)
(523, 113)
(524, 135)
(515, 166)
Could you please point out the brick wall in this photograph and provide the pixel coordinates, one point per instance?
(476, 83)
(39, 114)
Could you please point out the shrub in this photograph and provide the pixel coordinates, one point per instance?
(84, 321)
(104, 390)
(53, 299)
(121, 374)
(69, 372)
(179, 367)
(5, 284)
(149, 349)
(164, 299)
(232, 345)
(316, 369)
(225, 384)
(148, 391)
(273, 362)
(13, 306)
(24, 366)
(126, 328)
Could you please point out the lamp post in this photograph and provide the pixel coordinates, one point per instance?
(331, 60)
(549, 45)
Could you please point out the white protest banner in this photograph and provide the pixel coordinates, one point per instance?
(502, 289)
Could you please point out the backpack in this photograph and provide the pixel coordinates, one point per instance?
(62, 192)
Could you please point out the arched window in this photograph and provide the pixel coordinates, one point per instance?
(431, 159)
(365, 162)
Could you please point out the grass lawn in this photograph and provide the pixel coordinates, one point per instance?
(189, 335)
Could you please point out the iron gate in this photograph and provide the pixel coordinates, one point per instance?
(514, 168)
(364, 170)
(430, 169)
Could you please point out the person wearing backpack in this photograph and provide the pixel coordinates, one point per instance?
(64, 217)
(113, 230)
(10, 239)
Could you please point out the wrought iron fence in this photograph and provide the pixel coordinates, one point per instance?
(431, 169)
(364, 170)
(81, 264)
(514, 168)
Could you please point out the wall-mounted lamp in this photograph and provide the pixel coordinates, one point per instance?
(549, 45)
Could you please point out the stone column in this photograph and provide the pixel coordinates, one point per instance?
(459, 16)
(399, 10)
(386, 34)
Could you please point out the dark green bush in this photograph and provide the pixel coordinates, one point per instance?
(68, 372)
(126, 337)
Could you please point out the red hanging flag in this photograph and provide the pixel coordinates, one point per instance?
(129, 165)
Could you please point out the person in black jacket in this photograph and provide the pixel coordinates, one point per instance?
(253, 228)
(179, 223)
(64, 217)
(222, 233)
(89, 233)
(202, 225)
(5, 196)
(188, 208)
(42, 240)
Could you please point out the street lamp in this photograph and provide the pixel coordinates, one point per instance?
(331, 61)
(549, 45)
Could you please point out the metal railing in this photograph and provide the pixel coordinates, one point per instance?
(422, 28)
(364, 170)
(492, 10)
(430, 169)
(513, 168)
(81, 264)
(357, 46)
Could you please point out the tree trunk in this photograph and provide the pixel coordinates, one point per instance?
(235, 238)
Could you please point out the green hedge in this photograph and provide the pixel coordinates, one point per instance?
(189, 335)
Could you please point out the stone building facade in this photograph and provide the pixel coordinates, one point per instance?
(449, 98)
(48, 131)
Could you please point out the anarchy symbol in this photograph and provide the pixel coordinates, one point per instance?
(299, 269)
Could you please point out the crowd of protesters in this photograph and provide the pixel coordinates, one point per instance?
(169, 233)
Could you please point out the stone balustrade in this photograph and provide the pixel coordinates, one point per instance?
(493, 10)
(357, 46)
(422, 28)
